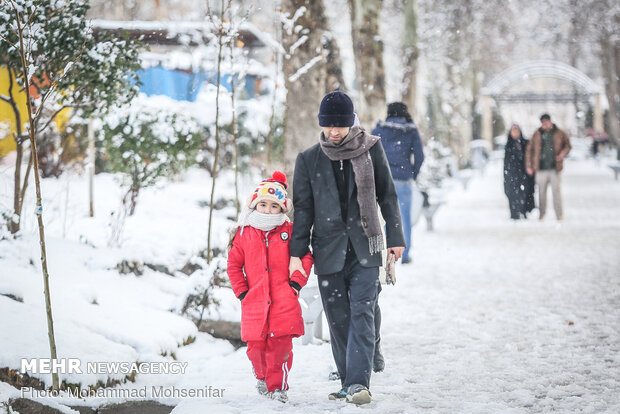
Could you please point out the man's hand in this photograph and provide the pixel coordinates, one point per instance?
(559, 157)
(295, 265)
(529, 171)
(398, 252)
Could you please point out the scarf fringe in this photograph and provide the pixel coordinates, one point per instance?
(375, 244)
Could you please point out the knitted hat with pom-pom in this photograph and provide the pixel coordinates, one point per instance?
(271, 189)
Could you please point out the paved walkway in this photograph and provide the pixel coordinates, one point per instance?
(493, 316)
(498, 316)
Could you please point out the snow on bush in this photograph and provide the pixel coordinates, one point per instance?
(147, 140)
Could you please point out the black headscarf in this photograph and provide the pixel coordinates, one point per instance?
(512, 141)
(399, 110)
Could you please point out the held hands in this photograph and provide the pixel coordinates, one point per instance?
(295, 265)
(397, 251)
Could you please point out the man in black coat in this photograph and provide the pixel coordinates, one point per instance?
(336, 187)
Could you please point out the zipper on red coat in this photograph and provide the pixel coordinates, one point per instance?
(268, 277)
(267, 249)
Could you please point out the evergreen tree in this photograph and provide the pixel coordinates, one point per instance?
(68, 68)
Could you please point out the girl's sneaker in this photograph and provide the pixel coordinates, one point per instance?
(279, 395)
(261, 387)
(338, 395)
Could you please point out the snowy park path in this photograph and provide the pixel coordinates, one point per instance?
(496, 315)
(493, 317)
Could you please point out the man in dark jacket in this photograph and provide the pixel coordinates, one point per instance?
(401, 142)
(336, 187)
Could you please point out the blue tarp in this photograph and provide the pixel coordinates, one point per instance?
(184, 86)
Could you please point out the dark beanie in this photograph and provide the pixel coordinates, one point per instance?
(336, 110)
(545, 116)
(398, 110)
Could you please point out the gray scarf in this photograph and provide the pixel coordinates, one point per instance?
(355, 147)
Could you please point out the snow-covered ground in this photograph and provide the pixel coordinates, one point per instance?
(493, 316)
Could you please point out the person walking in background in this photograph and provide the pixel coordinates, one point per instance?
(258, 262)
(545, 157)
(336, 188)
(518, 185)
(405, 154)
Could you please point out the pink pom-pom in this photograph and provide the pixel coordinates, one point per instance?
(279, 176)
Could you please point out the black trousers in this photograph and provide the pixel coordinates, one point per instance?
(377, 321)
(349, 301)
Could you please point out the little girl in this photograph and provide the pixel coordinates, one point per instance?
(258, 263)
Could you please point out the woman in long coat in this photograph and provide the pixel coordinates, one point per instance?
(518, 186)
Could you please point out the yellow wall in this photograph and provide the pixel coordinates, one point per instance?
(7, 117)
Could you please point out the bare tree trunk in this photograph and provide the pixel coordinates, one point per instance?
(617, 61)
(33, 149)
(234, 131)
(574, 41)
(458, 49)
(277, 57)
(216, 155)
(304, 75)
(471, 77)
(617, 67)
(611, 86)
(368, 49)
(91, 168)
(19, 189)
(616, 102)
(19, 146)
(16, 219)
(411, 53)
(24, 186)
(130, 200)
(335, 78)
(475, 92)
(272, 126)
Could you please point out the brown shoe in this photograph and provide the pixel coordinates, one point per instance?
(541, 217)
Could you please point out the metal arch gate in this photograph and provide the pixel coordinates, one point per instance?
(495, 90)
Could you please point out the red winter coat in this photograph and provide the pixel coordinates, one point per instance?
(260, 268)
